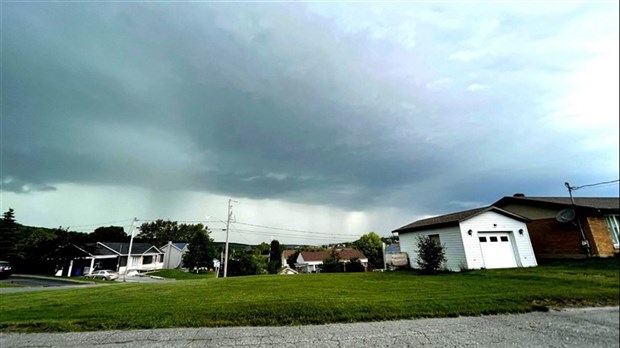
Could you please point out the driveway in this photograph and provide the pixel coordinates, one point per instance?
(589, 327)
(38, 283)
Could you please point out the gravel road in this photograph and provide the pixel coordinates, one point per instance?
(584, 327)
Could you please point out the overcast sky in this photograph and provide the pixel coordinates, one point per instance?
(332, 118)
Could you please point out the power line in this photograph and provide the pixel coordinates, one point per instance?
(597, 184)
(266, 233)
(285, 229)
(100, 224)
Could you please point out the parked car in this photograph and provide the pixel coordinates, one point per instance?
(103, 274)
(5, 269)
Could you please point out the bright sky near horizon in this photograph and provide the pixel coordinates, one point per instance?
(327, 120)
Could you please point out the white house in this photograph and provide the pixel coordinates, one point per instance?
(287, 270)
(173, 254)
(113, 255)
(311, 261)
(487, 237)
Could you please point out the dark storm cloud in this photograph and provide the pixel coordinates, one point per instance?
(274, 101)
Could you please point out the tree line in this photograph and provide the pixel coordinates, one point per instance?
(38, 250)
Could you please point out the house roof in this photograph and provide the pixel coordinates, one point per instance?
(314, 255)
(348, 254)
(454, 219)
(287, 269)
(287, 253)
(343, 254)
(597, 203)
(181, 246)
(107, 248)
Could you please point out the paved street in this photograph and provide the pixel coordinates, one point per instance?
(590, 327)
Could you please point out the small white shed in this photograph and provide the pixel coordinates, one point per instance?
(487, 237)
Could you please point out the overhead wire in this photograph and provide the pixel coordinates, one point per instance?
(100, 223)
(596, 184)
(273, 231)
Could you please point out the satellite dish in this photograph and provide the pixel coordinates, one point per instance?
(565, 215)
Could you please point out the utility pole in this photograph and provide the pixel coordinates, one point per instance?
(584, 240)
(227, 230)
(130, 246)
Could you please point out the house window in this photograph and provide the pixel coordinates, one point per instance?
(482, 239)
(161, 257)
(503, 238)
(147, 260)
(493, 239)
(434, 238)
(612, 225)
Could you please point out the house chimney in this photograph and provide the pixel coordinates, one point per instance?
(518, 195)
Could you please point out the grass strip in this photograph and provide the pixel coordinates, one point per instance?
(311, 298)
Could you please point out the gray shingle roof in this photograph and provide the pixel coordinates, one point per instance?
(453, 219)
(606, 203)
(123, 248)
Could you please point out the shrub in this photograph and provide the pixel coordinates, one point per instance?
(355, 265)
(332, 263)
(431, 255)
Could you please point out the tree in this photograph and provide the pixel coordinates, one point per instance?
(109, 234)
(292, 259)
(355, 265)
(160, 232)
(8, 233)
(201, 250)
(246, 263)
(38, 251)
(262, 249)
(332, 263)
(390, 240)
(275, 257)
(431, 255)
(372, 247)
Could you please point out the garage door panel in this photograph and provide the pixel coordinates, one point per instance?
(497, 250)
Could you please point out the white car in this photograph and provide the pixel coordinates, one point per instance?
(103, 274)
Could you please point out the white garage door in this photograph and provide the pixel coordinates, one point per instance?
(497, 250)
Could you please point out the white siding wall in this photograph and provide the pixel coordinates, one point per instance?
(450, 237)
(493, 222)
(173, 257)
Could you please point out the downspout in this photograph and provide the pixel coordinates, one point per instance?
(584, 239)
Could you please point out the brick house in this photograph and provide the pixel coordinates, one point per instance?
(599, 218)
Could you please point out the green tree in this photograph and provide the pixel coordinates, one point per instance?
(332, 263)
(160, 232)
(262, 249)
(355, 265)
(371, 246)
(292, 259)
(431, 255)
(8, 233)
(275, 257)
(38, 251)
(246, 263)
(201, 250)
(109, 234)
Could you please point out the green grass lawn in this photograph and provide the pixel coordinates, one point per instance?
(312, 298)
(180, 275)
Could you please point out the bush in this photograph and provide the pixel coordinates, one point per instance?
(355, 265)
(431, 255)
(331, 265)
